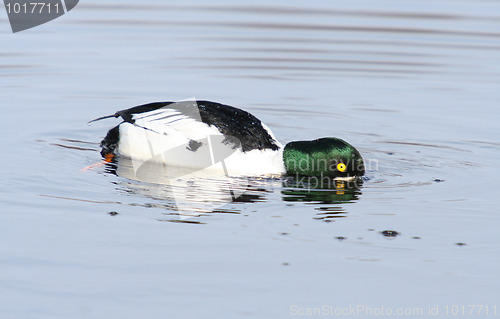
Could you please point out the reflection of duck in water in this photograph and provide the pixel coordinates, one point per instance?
(189, 193)
(199, 134)
(310, 189)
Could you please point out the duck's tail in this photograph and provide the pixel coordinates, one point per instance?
(103, 117)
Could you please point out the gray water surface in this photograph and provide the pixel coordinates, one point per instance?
(412, 84)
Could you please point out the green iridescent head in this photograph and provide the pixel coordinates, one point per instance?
(327, 156)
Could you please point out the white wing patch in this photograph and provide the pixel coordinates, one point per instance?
(157, 132)
(168, 121)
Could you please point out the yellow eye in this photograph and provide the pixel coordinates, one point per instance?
(341, 167)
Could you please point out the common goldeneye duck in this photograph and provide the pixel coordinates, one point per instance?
(203, 133)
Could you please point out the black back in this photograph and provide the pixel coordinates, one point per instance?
(230, 121)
